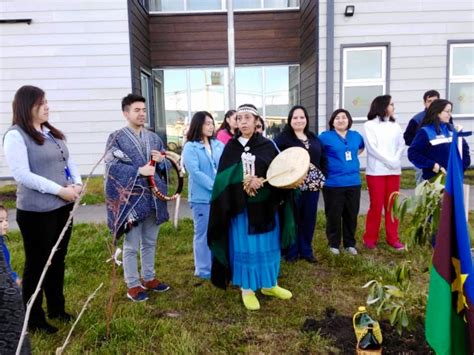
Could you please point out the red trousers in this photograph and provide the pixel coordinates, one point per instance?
(380, 189)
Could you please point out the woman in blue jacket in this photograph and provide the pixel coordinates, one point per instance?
(430, 148)
(342, 188)
(201, 155)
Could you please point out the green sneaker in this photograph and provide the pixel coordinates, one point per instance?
(278, 292)
(250, 301)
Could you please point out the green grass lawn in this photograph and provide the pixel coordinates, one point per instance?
(194, 316)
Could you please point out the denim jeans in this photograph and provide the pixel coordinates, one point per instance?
(202, 253)
(143, 235)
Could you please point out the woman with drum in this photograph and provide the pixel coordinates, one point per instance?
(342, 188)
(384, 142)
(201, 155)
(297, 134)
(244, 224)
(228, 127)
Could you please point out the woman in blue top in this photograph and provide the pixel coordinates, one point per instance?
(201, 155)
(342, 188)
(297, 134)
(430, 148)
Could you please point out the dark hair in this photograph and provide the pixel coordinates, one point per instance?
(431, 116)
(26, 98)
(3, 208)
(378, 108)
(337, 112)
(128, 100)
(195, 128)
(290, 129)
(430, 93)
(262, 122)
(225, 125)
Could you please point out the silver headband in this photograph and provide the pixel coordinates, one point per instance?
(248, 109)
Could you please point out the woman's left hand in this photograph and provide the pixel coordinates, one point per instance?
(77, 188)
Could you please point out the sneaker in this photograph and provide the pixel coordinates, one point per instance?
(352, 250)
(278, 292)
(335, 251)
(62, 316)
(42, 326)
(137, 294)
(398, 246)
(310, 259)
(369, 245)
(250, 301)
(155, 285)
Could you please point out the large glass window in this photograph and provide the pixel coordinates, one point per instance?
(273, 90)
(145, 91)
(219, 5)
(363, 78)
(461, 79)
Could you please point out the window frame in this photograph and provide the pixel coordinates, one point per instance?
(384, 81)
(451, 44)
(224, 9)
(149, 98)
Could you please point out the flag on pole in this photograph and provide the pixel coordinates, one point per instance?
(449, 323)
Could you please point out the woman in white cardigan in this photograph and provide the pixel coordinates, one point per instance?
(383, 139)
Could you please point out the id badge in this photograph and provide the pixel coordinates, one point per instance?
(348, 156)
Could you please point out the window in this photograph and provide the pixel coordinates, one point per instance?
(218, 5)
(364, 76)
(273, 90)
(461, 78)
(145, 91)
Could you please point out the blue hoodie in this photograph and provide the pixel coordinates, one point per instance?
(201, 167)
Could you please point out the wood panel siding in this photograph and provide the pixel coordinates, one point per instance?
(201, 39)
(309, 60)
(138, 20)
(78, 52)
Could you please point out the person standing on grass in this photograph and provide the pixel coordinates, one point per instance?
(429, 151)
(415, 123)
(341, 191)
(132, 209)
(48, 183)
(297, 134)
(201, 155)
(3, 246)
(384, 142)
(228, 127)
(244, 224)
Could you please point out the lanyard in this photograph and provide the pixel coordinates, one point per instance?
(67, 172)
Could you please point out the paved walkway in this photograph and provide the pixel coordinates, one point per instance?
(96, 213)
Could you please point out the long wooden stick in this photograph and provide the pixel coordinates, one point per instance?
(29, 304)
(60, 350)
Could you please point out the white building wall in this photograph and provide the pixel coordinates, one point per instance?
(418, 32)
(78, 52)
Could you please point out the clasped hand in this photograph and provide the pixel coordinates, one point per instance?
(70, 193)
(252, 184)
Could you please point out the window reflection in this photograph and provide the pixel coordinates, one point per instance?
(273, 90)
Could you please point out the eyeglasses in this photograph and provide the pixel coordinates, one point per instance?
(447, 111)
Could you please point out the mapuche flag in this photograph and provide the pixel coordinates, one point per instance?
(449, 323)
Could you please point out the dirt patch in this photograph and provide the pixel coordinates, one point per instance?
(339, 328)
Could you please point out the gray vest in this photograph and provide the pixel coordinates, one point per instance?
(47, 161)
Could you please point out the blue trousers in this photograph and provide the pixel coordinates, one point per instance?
(307, 208)
(202, 253)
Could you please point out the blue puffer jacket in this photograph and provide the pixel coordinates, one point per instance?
(201, 168)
